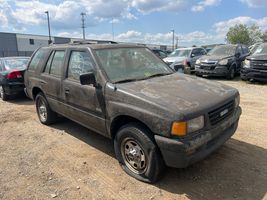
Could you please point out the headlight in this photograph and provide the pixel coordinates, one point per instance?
(195, 124)
(182, 128)
(198, 62)
(246, 64)
(223, 62)
(237, 101)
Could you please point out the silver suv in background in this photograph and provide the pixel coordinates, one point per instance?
(184, 59)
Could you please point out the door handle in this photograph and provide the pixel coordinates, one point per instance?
(67, 90)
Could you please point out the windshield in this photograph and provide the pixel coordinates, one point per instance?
(262, 49)
(180, 53)
(15, 63)
(122, 64)
(227, 50)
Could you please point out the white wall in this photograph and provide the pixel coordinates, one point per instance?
(23, 42)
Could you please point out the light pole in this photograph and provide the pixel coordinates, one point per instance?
(83, 24)
(48, 22)
(172, 40)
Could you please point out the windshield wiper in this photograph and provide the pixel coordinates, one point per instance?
(127, 80)
(157, 75)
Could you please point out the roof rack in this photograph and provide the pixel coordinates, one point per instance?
(79, 42)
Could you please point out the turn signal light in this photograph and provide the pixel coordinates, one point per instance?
(179, 128)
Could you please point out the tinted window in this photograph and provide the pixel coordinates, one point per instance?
(80, 63)
(239, 50)
(57, 63)
(203, 52)
(37, 57)
(196, 52)
(245, 50)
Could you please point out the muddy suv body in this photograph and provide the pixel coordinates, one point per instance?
(157, 119)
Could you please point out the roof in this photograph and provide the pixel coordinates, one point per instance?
(95, 46)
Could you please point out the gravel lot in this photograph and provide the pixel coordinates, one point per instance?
(67, 161)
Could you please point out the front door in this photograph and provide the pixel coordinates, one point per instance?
(83, 102)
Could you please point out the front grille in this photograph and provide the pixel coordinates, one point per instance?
(259, 64)
(209, 67)
(221, 113)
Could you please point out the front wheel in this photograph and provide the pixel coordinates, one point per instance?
(231, 73)
(45, 114)
(137, 153)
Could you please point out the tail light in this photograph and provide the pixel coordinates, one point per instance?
(185, 62)
(14, 74)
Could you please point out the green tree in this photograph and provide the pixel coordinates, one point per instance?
(238, 34)
(254, 34)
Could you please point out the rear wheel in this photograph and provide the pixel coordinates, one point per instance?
(3, 95)
(45, 114)
(137, 153)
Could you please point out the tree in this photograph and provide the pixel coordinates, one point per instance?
(254, 34)
(238, 34)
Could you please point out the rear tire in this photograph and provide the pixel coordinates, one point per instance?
(44, 112)
(3, 95)
(137, 154)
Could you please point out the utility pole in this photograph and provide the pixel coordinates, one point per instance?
(48, 22)
(176, 46)
(112, 23)
(83, 24)
(172, 40)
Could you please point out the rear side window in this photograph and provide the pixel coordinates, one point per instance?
(80, 63)
(48, 64)
(37, 57)
(57, 63)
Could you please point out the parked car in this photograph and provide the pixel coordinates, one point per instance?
(223, 60)
(123, 92)
(160, 53)
(183, 59)
(255, 66)
(253, 47)
(11, 75)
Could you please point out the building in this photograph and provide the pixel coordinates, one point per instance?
(16, 44)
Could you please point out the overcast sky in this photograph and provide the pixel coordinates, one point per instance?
(147, 21)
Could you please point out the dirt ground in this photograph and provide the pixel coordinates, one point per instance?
(67, 161)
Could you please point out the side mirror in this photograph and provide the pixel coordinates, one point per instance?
(237, 54)
(88, 79)
(193, 55)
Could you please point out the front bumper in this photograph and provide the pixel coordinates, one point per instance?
(181, 153)
(247, 74)
(12, 88)
(219, 70)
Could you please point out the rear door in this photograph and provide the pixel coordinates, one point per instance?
(51, 78)
(240, 58)
(83, 102)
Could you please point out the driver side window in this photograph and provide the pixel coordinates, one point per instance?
(80, 63)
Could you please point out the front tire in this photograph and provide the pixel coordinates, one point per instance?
(137, 154)
(231, 73)
(44, 112)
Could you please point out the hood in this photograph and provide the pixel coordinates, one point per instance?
(174, 59)
(179, 93)
(214, 57)
(258, 57)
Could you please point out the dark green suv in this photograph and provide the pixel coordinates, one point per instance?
(154, 116)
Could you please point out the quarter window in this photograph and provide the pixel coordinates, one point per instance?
(80, 63)
(57, 63)
(38, 56)
(48, 64)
